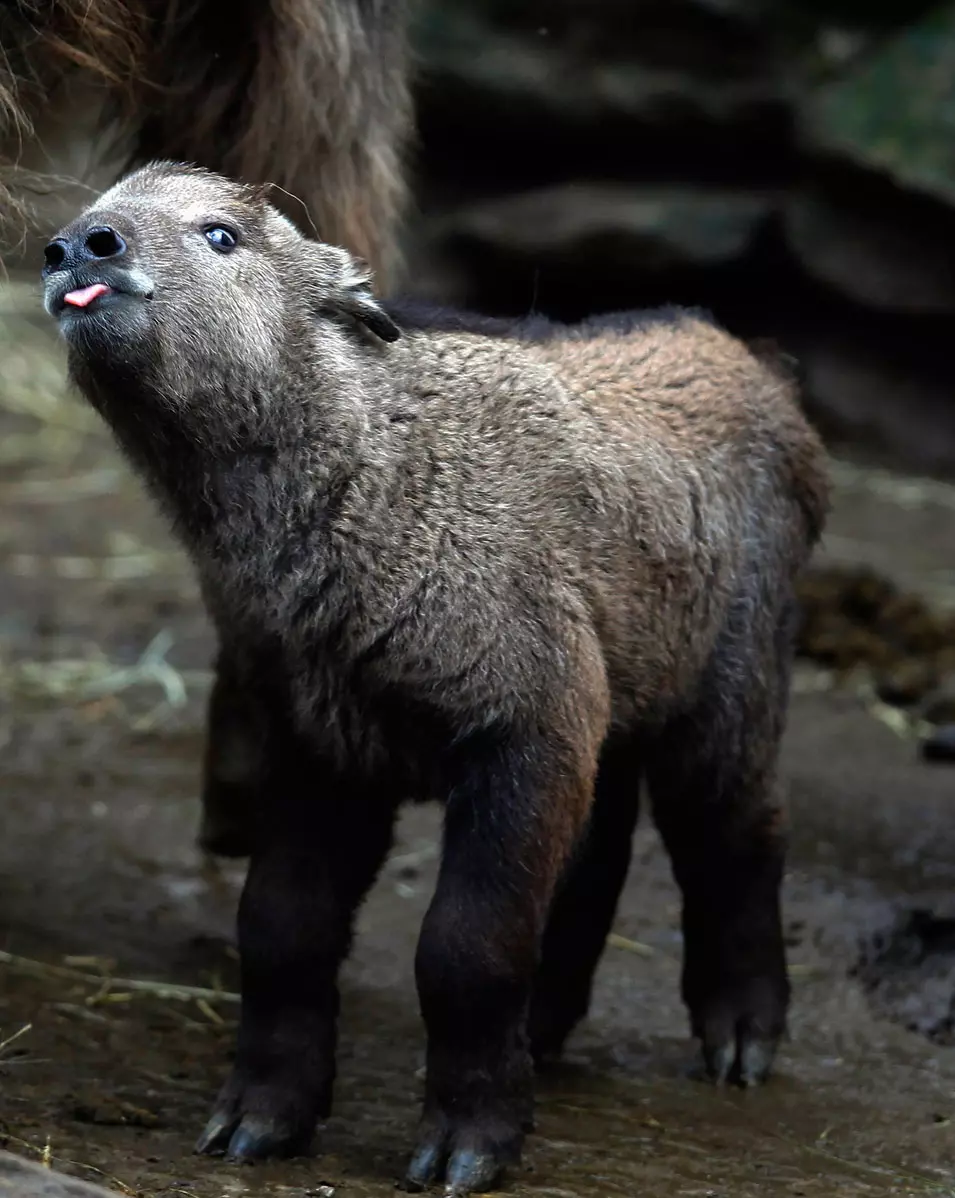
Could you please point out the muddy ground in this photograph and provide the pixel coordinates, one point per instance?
(100, 736)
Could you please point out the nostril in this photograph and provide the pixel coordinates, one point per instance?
(54, 254)
(104, 243)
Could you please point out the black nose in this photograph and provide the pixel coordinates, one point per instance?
(87, 245)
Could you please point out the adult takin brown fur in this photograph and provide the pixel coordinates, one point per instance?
(513, 567)
(310, 95)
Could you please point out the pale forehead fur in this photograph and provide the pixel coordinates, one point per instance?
(195, 193)
(186, 187)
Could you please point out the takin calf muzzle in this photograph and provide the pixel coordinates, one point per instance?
(515, 567)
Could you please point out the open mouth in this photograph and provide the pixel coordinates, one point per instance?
(68, 298)
(84, 296)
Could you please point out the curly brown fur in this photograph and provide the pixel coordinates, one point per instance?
(42, 40)
(310, 95)
(515, 570)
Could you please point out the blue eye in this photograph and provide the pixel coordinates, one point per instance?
(221, 238)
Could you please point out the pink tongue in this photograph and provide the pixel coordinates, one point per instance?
(85, 295)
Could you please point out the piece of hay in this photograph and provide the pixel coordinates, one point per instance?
(174, 991)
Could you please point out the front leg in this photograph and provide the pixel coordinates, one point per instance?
(511, 821)
(315, 856)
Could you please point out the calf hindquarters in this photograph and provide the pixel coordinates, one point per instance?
(711, 773)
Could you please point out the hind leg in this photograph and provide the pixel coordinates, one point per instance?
(584, 906)
(711, 778)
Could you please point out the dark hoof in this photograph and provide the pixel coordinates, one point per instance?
(428, 1161)
(467, 1159)
(255, 1123)
(740, 1032)
(469, 1172)
(744, 1062)
(756, 1061)
(257, 1138)
(253, 1138)
(216, 1135)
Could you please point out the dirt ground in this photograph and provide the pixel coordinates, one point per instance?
(104, 654)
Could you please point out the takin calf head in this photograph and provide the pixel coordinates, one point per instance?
(195, 293)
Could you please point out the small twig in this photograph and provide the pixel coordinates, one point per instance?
(72, 1008)
(631, 946)
(614, 940)
(165, 990)
(413, 858)
(98, 678)
(808, 972)
(210, 1013)
(4, 1044)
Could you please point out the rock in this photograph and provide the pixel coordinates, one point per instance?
(743, 155)
(643, 229)
(590, 61)
(870, 258)
(906, 682)
(940, 710)
(857, 394)
(939, 707)
(939, 746)
(894, 110)
(26, 1180)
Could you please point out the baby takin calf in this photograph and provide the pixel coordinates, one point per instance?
(514, 567)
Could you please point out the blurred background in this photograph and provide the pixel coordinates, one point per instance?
(789, 164)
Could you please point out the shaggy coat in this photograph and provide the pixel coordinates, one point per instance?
(517, 568)
(310, 95)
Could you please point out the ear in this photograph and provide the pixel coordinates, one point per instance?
(356, 299)
(364, 308)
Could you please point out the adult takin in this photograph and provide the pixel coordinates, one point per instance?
(312, 96)
(514, 567)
